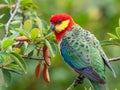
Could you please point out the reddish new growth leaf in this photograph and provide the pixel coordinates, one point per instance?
(46, 73)
(22, 38)
(38, 70)
(46, 55)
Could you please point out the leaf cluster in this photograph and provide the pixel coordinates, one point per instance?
(114, 38)
(28, 34)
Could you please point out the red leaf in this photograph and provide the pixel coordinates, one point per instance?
(38, 70)
(46, 55)
(22, 38)
(46, 73)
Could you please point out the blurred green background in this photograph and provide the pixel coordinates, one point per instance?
(97, 16)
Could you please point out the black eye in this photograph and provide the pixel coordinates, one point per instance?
(60, 21)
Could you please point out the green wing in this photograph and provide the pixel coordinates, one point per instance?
(103, 55)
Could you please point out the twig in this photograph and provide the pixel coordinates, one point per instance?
(23, 18)
(26, 57)
(114, 59)
(11, 18)
(70, 87)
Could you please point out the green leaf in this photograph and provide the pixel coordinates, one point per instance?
(1, 60)
(39, 24)
(7, 77)
(6, 43)
(14, 35)
(5, 58)
(7, 2)
(112, 36)
(49, 35)
(50, 48)
(30, 54)
(45, 25)
(108, 42)
(23, 33)
(26, 45)
(27, 4)
(54, 47)
(29, 48)
(34, 33)
(19, 60)
(16, 22)
(117, 41)
(1, 16)
(1, 25)
(17, 50)
(4, 54)
(12, 66)
(28, 25)
(118, 31)
(24, 2)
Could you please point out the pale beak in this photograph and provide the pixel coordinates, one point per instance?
(52, 26)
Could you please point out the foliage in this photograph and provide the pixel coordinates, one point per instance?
(114, 38)
(98, 17)
(28, 34)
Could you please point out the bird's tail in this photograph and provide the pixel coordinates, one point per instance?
(98, 86)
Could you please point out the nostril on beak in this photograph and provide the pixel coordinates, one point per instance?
(52, 26)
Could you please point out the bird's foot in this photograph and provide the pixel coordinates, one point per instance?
(78, 80)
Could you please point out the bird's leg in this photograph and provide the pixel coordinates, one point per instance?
(78, 80)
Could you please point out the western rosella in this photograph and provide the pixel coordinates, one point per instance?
(81, 50)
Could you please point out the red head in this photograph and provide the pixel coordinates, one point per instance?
(60, 23)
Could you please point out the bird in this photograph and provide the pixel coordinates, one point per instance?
(81, 50)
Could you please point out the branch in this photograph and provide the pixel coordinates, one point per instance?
(26, 57)
(11, 18)
(110, 60)
(114, 59)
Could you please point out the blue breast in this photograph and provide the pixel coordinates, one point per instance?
(66, 56)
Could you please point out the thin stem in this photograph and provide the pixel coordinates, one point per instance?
(26, 57)
(71, 86)
(23, 18)
(11, 18)
(48, 35)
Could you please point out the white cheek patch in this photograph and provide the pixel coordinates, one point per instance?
(62, 26)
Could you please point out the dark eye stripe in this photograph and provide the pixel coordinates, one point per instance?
(60, 21)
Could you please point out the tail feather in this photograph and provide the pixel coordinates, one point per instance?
(91, 74)
(110, 67)
(107, 63)
(98, 86)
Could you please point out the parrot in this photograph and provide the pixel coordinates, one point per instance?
(81, 50)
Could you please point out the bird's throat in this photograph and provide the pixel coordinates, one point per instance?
(59, 35)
